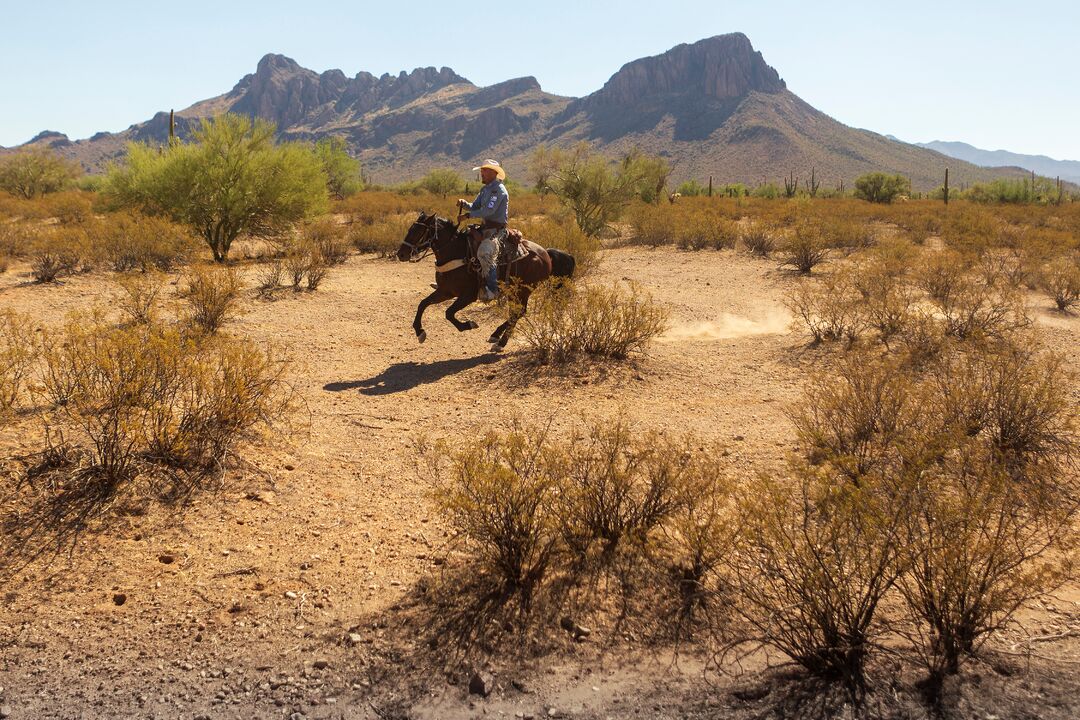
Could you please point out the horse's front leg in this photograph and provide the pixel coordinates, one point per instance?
(436, 297)
(451, 313)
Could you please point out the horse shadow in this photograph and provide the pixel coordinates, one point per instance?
(404, 376)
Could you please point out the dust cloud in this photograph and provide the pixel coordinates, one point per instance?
(727, 327)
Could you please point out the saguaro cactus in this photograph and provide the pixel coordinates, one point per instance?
(791, 185)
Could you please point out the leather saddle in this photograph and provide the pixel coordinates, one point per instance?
(514, 247)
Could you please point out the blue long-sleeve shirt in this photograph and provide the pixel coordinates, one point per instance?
(492, 203)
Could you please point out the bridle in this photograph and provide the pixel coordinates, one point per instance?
(424, 244)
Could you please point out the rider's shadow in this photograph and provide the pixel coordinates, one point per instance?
(400, 377)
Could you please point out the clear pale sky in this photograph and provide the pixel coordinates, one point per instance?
(996, 74)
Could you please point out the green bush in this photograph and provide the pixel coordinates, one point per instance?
(881, 188)
(597, 190)
(232, 180)
(442, 182)
(342, 170)
(33, 173)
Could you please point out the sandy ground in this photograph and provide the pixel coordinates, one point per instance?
(279, 591)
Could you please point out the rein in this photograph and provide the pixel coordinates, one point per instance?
(426, 246)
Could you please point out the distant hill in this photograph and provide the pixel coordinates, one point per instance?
(1041, 164)
(714, 107)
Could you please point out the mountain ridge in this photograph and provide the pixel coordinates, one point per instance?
(1068, 170)
(714, 107)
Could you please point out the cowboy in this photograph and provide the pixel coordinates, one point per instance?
(492, 206)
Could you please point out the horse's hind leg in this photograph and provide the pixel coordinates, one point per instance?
(451, 314)
(497, 335)
(436, 297)
(515, 314)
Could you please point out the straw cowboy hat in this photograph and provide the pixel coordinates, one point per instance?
(492, 165)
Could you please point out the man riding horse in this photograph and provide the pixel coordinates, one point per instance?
(492, 206)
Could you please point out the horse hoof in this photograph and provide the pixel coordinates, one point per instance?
(496, 347)
(421, 336)
(470, 325)
(494, 339)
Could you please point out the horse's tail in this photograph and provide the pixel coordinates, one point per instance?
(562, 265)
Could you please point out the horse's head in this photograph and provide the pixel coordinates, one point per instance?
(419, 239)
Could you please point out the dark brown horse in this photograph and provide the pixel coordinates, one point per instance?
(455, 278)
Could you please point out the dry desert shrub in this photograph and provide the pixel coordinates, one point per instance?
(815, 562)
(703, 532)
(1060, 280)
(139, 297)
(975, 551)
(861, 418)
(573, 321)
(269, 277)
(938, 274)
(133, 241)
(70, 208)
(616, 490)
(561, 232)
(704, 230)
(976, 311)
(60, 251)
(758, 238)
(971, 454)
(831, 308)
(150, 393)
(211, 296)
(328, 237)
(804, 248)
(214, 393)
(19, 349)
(499, 495)
(888, 299)
(305, 265)
(382, 237)
(652, 225)
(531, 507)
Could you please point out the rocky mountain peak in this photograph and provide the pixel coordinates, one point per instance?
(721, 67)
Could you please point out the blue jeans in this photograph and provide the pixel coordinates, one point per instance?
(492, 280)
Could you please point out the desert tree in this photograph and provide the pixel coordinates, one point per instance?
(881, 188)
(342, 170)
(441, 181)
(232, 180)
(31, 173)
(597, 190)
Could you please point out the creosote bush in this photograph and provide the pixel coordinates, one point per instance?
(758, 238)
(498, 494)
(1061, 282)
(969, 455)
(804, 248)
(19, 349)
(831, 309)
(132, 241)
(816, 561)
(533, 508)
(150, 394)
(573, 320)
(211, 296)
(140, 295)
